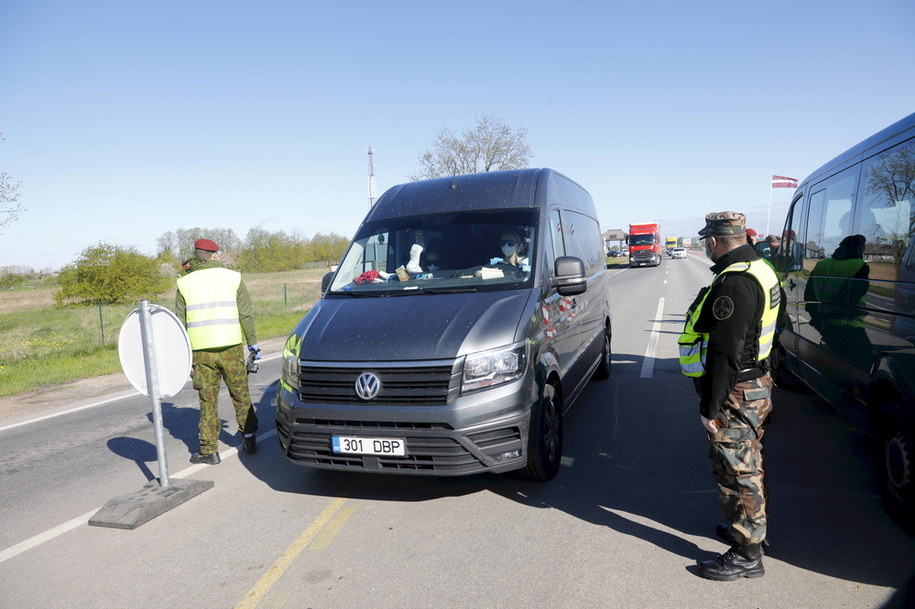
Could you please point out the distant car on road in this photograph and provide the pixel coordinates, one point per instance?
(678, 252)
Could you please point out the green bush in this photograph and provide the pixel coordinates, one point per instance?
(110, 274)
(9, 281)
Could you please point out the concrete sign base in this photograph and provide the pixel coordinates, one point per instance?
(131, 510)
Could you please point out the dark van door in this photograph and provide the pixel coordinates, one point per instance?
(846, 263)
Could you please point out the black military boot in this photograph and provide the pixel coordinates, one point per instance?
(739, 561)
(208, 459)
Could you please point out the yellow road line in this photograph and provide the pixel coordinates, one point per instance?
(273, 574)
(327, 534)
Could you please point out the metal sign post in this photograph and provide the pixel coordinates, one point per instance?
(156, 373)
(152, 382)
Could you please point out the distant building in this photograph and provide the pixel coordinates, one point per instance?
(614, 239)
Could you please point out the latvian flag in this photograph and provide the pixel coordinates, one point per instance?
(783, 182)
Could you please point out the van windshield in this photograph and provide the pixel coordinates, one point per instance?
(453, 251)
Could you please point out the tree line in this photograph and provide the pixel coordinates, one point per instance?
(110, 274)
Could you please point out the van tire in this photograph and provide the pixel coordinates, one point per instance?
(545, 438)
(606, 358)
(783, 377)
(896, 462)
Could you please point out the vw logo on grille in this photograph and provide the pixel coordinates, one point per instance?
(368, 385)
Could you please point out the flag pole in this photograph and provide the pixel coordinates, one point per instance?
(769, 210)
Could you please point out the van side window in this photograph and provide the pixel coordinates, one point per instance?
(886, 216)
(583, 240)
(555, 246)
(790, 252)
(830, 216)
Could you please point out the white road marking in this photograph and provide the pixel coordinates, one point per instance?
(648, 363)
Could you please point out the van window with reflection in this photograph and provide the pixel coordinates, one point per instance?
(790, 252)
(829, 218)
(556, 246)
(583, 240)
(886, 217)
(453, 251)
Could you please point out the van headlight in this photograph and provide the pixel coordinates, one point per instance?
(290, 374)
(494, 367)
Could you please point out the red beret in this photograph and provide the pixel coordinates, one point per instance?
(206, 245)
(751, 232)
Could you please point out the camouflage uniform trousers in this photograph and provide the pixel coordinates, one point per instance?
(211, 365)
(736, 458)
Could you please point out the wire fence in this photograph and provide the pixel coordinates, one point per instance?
(31, 327)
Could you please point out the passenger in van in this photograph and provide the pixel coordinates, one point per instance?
(432, 256)
(835, 294)
(512, 251)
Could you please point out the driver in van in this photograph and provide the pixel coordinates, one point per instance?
(512, 251)
(432, 256)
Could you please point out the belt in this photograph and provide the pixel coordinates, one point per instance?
(748, 374)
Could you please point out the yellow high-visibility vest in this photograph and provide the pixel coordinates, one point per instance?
(694, 345)
(830, 281)
(211, 315)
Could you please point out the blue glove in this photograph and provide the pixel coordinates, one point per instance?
(255, 350)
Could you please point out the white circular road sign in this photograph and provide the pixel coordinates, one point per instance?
(172, 351)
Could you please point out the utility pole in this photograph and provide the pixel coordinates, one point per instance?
(371, 177)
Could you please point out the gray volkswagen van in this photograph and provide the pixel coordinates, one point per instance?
(465, 318)
(847, 262)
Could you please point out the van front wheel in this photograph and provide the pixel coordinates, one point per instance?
(896, 462)
(606, 358)
(545, 438)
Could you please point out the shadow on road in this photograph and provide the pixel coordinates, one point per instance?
(635, 462)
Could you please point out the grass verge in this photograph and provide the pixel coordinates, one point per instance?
(41, 345)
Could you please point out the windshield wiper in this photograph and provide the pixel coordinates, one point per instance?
(454, 290)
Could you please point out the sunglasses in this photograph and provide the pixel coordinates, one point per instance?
(510, 242)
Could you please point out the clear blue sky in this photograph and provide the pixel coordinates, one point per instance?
(124, 120)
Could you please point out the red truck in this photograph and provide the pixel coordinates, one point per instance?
(644, 244)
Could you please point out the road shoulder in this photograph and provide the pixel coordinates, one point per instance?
(61, 394)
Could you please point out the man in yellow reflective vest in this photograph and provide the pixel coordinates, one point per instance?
(728, 336)
(216, 309)
(834, 298)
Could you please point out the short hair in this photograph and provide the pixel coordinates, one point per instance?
(204, 255)
(732, 239)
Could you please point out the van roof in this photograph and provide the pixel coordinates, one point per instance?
(490, 190)
(898, 131)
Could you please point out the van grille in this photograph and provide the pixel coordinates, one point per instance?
(431, 450)
(419, 384)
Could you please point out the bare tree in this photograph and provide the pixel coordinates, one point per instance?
(9, 197)
(490, 146)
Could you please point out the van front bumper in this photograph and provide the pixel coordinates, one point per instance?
(436, 445)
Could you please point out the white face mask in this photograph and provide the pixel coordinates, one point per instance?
(508, 250)
(708, 249)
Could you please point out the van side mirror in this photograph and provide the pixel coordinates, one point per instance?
(325, 281)
(570, 277)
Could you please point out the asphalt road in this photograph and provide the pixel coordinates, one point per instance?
(622, 524)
